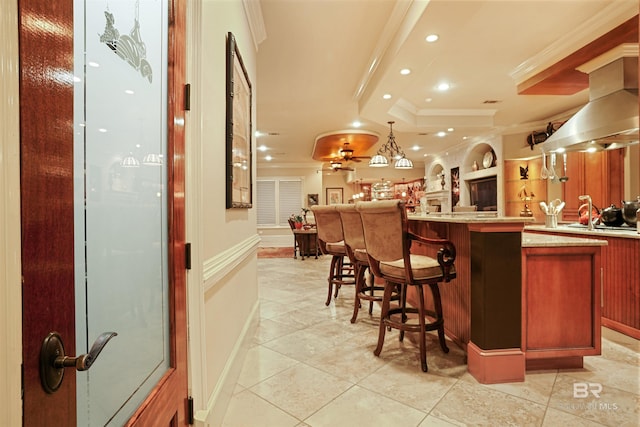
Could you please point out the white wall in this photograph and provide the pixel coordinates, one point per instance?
(10, 268)
(223, 294)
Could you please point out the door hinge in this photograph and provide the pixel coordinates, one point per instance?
(187, 256)
(190, 410)
(187, 97)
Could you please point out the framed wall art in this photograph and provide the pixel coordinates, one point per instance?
(334, 196)
(312, 199)
(238, 130)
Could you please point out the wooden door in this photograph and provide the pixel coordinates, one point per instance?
(47, 179)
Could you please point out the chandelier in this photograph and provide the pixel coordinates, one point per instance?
(392, 151)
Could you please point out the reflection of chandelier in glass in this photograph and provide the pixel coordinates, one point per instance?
(393, 151)
(130, 162)
(382, 190)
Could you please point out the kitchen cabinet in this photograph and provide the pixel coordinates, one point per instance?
(560, 302)
(620, 276)
(599, 174)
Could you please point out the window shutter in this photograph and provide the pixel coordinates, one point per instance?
(266, 202)
(289, 199)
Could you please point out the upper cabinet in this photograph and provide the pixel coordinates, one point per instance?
(599, 174)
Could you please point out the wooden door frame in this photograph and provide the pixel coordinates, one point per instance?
(156, 410)
(10, 267)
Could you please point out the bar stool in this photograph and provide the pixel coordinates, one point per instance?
(388, 243)
(331, 241)
(357, 252)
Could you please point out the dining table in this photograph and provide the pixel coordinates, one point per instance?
(307, 238)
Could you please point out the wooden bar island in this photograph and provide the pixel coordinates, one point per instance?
(502, 309)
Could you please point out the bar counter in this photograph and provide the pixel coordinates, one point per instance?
(495, 308)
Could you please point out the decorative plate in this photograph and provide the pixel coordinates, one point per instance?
(488, 159)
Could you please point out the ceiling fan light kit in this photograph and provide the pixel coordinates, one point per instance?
(392, 149)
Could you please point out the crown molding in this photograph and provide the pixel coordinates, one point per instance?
(253, 12)
(618, 12)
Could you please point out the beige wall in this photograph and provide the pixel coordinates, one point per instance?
(223, 294)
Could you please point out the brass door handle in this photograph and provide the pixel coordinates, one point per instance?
(53, 360)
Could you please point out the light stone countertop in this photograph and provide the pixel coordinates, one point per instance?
(621, 232)
(536, 240)
(469, 218)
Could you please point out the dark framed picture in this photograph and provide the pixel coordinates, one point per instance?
(455, 186)
(312, 199)
(238, 130)
(334, 196)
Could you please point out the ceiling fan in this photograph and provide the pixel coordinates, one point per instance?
(336, 166)
(346, 154)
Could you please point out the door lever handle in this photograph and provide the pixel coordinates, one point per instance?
(53, 360)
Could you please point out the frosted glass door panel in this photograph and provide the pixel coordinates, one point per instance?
(120, 202)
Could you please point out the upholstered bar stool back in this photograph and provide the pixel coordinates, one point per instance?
(356, 250)
(331, 241)
(388, 243)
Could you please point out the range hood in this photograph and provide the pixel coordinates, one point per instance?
(610, 119)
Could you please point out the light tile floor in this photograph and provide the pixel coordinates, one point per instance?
(311, 367)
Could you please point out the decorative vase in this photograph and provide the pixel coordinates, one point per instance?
(474, 166)
(442, 182)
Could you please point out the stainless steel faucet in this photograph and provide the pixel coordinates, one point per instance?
(588, 199)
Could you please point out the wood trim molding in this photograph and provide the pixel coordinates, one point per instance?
(495, 366)
(223, 263)
(10, 289)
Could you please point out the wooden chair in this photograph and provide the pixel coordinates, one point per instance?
(331, 241)
(388, 243)
(296, 245)
(357, 252)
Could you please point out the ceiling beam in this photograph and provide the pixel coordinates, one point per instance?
(563, 78)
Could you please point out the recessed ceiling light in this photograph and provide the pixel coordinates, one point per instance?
(405, 71)
(356, 124)
(415, 148)
(441, 134)
(443, 86)
(268, 158)
(432, 38)
(263, 148)
(450, 130)
(386, 96)
(428, 100)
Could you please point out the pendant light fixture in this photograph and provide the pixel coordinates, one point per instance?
(390, 151)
